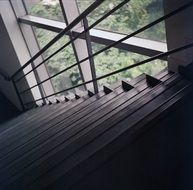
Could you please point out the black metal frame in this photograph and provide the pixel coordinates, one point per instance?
(83, 17)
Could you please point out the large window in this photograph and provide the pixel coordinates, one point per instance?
(129, 18)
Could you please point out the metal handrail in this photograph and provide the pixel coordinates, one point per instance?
(187, 5)
(159, 56)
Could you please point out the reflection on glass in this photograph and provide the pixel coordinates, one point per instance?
(60, 61)
(49, 9)
(114, 59)
(129, 18)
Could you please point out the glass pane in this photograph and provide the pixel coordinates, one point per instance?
(49, 9)
(60, 61)
(129, 18)
(84, 4)
(114, 59)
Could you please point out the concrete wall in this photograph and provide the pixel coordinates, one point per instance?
(8, 63)
(13, 54)
(179, 29)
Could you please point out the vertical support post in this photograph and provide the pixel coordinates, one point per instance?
(71, 12)
(89, 49)
(73, 45)
(40, 87)
(18, 95)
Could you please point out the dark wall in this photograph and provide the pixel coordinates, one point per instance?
(161, 159)
(7, 109)
(10, 63)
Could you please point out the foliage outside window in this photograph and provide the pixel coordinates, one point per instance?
(62, 60)
(49, 9)
(129, 18)
(114, 59)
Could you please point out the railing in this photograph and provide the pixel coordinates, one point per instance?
(83, 17)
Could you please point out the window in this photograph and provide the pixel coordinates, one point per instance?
(114, 59)
(129, 18)
(49, 9)
(60, 61)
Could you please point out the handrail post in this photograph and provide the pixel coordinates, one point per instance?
(91, 59)
(18, 95)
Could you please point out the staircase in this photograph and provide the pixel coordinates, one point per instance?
(57, 145)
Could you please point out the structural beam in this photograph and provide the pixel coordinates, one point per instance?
(137, 45)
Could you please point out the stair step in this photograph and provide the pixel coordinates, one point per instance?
(152, 81)
(57, 101)
(107, 90)
(49, 103)
(43, 104)
(90, 93)
(77, 96)
(126, 86)
(67, 99)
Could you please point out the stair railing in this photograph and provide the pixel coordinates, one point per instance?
(83, 17)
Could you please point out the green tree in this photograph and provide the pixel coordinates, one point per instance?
(130, 17)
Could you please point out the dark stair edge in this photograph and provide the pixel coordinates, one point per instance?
(152, 81)
(90, 93)
(107, 90)
(126, 86)
(77, 96)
